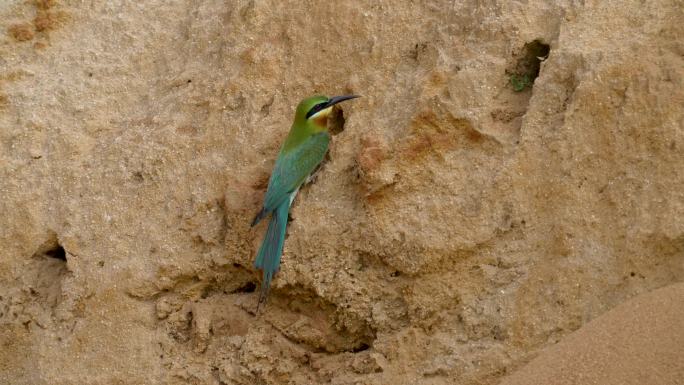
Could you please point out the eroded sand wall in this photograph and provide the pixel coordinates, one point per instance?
(457, 228)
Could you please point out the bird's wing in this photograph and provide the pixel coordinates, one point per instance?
(293, 167)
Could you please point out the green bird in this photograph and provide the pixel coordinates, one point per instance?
(300, 154)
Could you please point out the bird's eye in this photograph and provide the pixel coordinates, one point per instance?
(316, 108)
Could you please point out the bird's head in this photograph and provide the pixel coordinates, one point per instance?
(314, 111)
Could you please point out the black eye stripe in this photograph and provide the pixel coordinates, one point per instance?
(316, 108)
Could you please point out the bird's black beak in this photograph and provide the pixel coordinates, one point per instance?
(338, 99)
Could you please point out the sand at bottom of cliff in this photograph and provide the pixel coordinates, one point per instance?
(639, 342)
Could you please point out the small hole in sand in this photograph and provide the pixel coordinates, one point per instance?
(248, 287)
(336, 121)
(528, 64)
(46, 271)
(57, 252)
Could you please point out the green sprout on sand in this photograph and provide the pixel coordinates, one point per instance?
(520, 82)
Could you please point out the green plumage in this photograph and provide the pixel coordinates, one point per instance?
(303, 150)
(290, 171)
(292, 168)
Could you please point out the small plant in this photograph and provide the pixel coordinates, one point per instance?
(527, 65)
(520, 82)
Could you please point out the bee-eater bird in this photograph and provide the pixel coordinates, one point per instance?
(303, 150)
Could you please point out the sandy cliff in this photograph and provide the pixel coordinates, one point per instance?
(458, 227)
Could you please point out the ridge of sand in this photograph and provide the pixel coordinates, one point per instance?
(640, 342)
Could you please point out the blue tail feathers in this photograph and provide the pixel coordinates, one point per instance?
(268, 257)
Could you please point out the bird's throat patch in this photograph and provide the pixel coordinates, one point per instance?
(321, 121)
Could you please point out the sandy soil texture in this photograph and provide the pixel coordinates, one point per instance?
(512, 172)
(638, 342)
